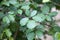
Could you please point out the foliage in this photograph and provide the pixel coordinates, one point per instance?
(21, 20)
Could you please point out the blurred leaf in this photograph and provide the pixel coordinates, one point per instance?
(25, 7)
(5, 39)
(31, 24)
(34, 5)
(52, 14)
(25, 3)
(24, 21)
(8, 32)
(6, 3)
(20, 12)
(57, 28)
(11, 38)
(27, 13)
(39, 18)
(48, 18)
(29, 31)
(30, 36)
(33, 13)
(39, 33)
(44, 1)
(13, 1)
(45, 9)
(6, 20)
(40, 26)
(17, 5)
(1, 15)
(10, 12)
(57, 36)
(11, 18)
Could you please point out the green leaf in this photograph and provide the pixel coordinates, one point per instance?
(45, 9)
(6, 3)
(40, 26)
(25, 7)
(26, 3)
(8, 33)
(11, 18)
(44, 1)
(6, 20)
(34, 5)
(1, 14)
(56, 28)
(27, 12)
(13, 1)
(31, 24)
(24, 21)
(39, 33)
(57, 36)
(19, 11)
(5, 39)
(33, 13)
(30, 36)
(17, 5)
(11, 38)
(29, 31)
(10, 12)
(39, 18)
(48, 18)
(52, 14)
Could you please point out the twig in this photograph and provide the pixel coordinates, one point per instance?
(55, 3)
(15, 35)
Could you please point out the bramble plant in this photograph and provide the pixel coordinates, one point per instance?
(24, 20)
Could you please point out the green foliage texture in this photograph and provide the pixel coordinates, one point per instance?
(24, 20)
